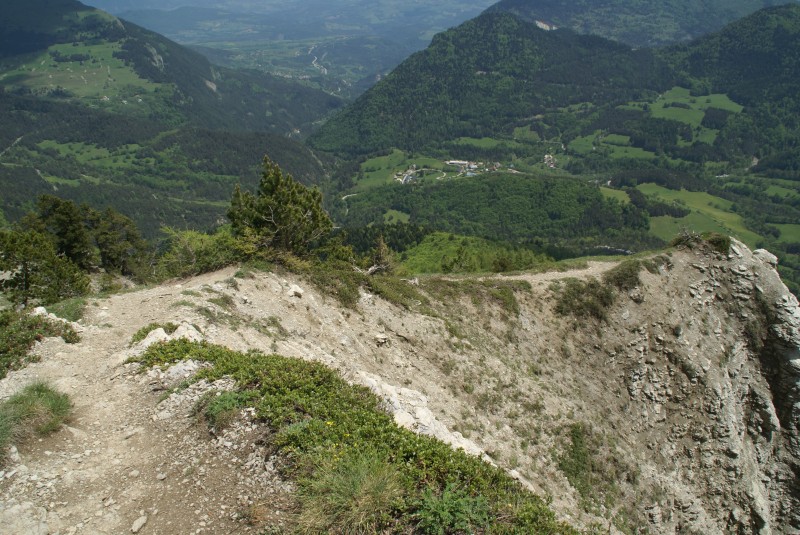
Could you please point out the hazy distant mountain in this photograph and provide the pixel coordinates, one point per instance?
(636, 22)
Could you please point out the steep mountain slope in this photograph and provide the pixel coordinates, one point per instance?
(675, 414)
(638, 23)
(80, 53)
(485, 76)
(106, 112)
(341, 46)
(495, 73)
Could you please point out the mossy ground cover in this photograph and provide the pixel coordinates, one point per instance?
(328, 431)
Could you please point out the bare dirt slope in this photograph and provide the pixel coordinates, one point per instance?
(684, 434)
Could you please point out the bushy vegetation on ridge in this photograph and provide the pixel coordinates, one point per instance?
(346, 452)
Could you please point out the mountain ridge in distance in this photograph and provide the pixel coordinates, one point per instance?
(638, 23)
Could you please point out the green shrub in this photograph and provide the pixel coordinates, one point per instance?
(37, 410)
(18, 333)
(219, 409)
(625, 275)
(584, 298)
(142, 333)
(191, 253)
(719, 242)
(452, 511)
(69, 309)
(716, 241)
(37, 273)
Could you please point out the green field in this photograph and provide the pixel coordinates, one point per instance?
(395, 216)
(583, 144)
(615, 145)
(789, 233)
(381, 170)
(781, 191)
(678, 104)
(617, 139)
(619, 195)
(101, 76)
(709, 213)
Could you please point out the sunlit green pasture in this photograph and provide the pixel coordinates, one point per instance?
(617, 194)
(709, 213)
(789, 233)
(102, 75)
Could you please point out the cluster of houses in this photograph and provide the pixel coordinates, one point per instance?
(467, 168)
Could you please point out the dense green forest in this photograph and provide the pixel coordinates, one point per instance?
(179, 176)
(495, 75)
(538, 211)
(485, 76)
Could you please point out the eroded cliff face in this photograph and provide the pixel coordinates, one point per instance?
(710, 366)
(679, 413)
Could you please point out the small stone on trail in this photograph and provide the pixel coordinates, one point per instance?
(295, 291)
(161, 477)
(139, 524)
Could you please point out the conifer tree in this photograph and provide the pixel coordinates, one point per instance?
(284, 214)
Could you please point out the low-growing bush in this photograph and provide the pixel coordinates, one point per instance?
(451, 511)
(356, 494)
(714, 240)
(625, 275)
(328, 431)
(142, 333)
(191, 253)
(69, 309)
(582, 299)
(19, 331)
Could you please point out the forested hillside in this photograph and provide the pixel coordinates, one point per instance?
(103, 111)
(636, 22)
(485, 76)
(716, 117)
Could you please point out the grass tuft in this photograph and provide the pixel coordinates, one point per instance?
(69, 309)
(37, 410)
(353, 495)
